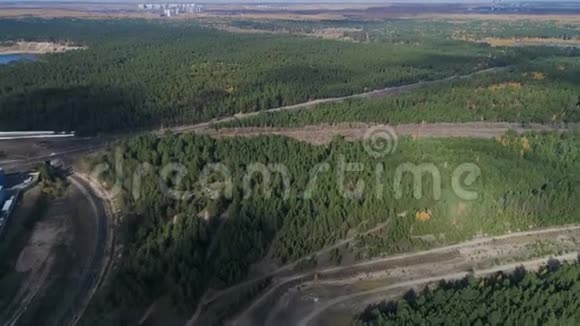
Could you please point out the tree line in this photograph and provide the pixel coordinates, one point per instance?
(546, 297)
(540, 91)
(138, 74)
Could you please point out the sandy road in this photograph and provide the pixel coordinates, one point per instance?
(244, 318)
(90, 275)
(206, 301)
(325, 133)
(528, 265)
(94, 272)
(389, 91)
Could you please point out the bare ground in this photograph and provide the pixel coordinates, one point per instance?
(37, 47)
(321, 313)
(322, 134)
(38, 257)
(60, 260)
(295, 294)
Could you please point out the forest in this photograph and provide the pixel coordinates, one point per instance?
(137, 74)
(540, 91)
(181, 244)
(199, 213)
(547, 297)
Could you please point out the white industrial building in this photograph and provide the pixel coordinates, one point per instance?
(171, 9)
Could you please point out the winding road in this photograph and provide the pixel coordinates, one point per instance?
(90, 276)
(93, 275)
(288, 279)
(284, 284)
(528, 265)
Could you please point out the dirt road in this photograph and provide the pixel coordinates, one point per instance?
(528, 265)
(389, 91)
(323, 134)
(257, 312)
(93, 274)
(39, 258)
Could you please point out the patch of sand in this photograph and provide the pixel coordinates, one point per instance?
(36, 47)
(501, 17)
(324, 133)
(38, 249)
(506, 85)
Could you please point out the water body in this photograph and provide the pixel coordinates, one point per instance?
(8, 58)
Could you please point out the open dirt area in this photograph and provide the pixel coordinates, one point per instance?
(36, 47)
(460, 18)
(54, 261)
(521, 41)
(340, 34)
(37, 258)
(45, 235)
(323, 134)
(320, 296)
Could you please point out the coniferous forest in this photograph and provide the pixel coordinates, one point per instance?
(548, 297)
(206, 238)
(198, 214)
(137, 74)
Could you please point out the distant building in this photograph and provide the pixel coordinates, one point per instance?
(171, 9)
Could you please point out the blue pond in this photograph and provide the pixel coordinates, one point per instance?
(8, 58)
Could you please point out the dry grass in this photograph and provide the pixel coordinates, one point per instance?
(284, 16)
(495, 42)
(325, 33)
(424, 215)
(506, 85)
(460, 18)
(37, 47)
(538, 75)
(514, 41)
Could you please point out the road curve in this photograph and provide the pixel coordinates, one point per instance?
(288, 281)
(91, 276)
